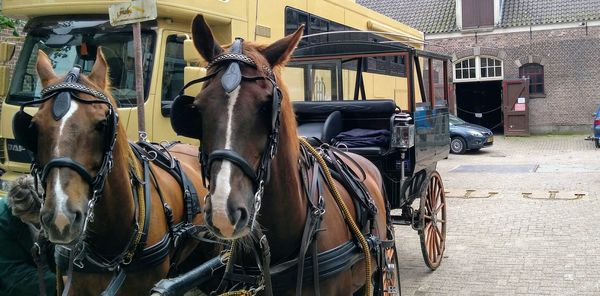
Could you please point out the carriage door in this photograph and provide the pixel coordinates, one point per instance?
(515, 97)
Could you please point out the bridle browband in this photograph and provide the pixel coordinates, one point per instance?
(230, 80)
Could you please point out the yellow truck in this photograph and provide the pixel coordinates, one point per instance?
(71, 31)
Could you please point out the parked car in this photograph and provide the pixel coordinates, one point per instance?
(596, 128)
(467, 136)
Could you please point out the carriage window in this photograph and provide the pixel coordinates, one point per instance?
(172, 80)
(314, 81)
(438, 82)
(76, 43)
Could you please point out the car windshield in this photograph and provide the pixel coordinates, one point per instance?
(456, 121)
(69, 43)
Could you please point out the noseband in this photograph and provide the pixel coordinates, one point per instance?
(230, 80)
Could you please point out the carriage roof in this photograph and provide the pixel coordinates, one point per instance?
(353, 44)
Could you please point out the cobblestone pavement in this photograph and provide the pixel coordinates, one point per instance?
(505, 244)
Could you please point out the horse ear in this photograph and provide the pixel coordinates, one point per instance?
(204, 40)
(99, 74)
(44, 68)
(279, 51)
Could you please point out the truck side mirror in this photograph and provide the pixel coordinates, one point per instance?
(7, 51)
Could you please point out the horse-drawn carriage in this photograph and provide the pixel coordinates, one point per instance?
(418, 129)
(300, 214)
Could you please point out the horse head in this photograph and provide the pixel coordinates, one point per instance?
(239, 116)
(70, 136)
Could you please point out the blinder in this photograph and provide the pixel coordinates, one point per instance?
(25, 133)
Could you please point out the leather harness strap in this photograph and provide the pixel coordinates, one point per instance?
(38, 252)
(314, 216)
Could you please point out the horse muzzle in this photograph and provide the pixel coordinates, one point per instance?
(227, 222)
(62, 227)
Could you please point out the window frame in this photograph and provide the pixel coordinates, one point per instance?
(526, 74)
(478, 68)
(462, 69)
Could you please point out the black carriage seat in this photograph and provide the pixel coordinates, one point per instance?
(322, 130)
(313, 117)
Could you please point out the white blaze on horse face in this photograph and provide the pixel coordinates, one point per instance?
(223, 189)
(60, 196)
(63, 122)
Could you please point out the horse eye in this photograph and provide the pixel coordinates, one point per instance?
(101, 126)
(266, 107)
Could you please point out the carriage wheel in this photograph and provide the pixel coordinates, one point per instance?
(432, 222)
(391, 275)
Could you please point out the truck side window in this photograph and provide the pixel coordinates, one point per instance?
(172, 80)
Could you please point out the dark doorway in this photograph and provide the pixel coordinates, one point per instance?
(481, 103)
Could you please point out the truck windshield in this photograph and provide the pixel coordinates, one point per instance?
(70, 43)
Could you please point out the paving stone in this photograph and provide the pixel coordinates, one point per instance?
(507, 244)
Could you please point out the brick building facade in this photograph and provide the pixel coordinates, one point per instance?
(560, 37)
(6, 35)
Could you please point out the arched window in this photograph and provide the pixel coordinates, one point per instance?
(491, 67)
(535, 73)
(478, 68)
(465, 69)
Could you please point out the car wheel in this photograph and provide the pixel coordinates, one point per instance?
(458, 145)
(597, 143)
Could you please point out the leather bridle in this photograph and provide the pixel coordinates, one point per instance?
(65, 92)
(230, 80)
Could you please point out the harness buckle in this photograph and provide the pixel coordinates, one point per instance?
(143, 136)
(91, 204)
(254, 291)
(257, 202)
(127, 259)
(273, 149)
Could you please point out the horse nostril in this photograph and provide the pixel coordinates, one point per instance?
(240, 217)
(46, 219)
(78, 218)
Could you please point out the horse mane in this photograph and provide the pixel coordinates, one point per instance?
(288, 135)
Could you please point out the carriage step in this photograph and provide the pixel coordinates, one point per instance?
(401, 220)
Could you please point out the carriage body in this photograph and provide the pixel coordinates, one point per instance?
(416, 93)
(334, 93)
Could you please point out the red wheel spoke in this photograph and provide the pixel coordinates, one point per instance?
(438, 232)
(438, 208)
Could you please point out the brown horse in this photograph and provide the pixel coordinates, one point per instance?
(80, 147)
(237, 135)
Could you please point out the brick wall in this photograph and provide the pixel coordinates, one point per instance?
(571, 59)
(6, 35)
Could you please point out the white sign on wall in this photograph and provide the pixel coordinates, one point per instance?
(132, 12)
